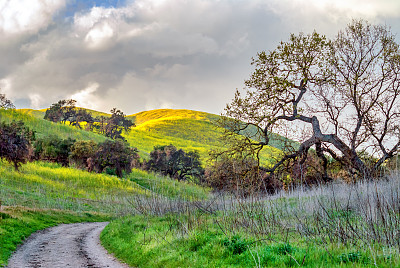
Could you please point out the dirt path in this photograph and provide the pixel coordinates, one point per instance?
(66, 245)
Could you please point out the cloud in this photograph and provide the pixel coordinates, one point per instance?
(27, 16)
(99, 36)
(36, 100)
(152, 54)
(86, 97)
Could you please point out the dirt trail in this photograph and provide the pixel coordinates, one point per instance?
(66, 245)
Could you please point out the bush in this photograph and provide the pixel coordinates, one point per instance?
(236, 245)
(113, 157)
(54, 149)
(169, 161)
(81, 151)
(15, 142)
(240, 176)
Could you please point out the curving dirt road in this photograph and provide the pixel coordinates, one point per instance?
(66, 245)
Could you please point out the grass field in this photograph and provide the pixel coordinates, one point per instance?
(45, 194)
(335, 225)
(44, 128)
(179, 224)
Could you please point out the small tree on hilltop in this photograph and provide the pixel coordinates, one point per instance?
(116, 124)
(15, 143)
(344, 92)
(61, 111)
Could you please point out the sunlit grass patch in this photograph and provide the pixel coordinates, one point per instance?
(45, 128)
(168, 187)
(48, 185)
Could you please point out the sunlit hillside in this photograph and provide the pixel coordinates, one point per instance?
(44, 128)
(40, 113)
(189, 130)
(186, 129)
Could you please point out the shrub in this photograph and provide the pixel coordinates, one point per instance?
(236, 245)
(15, 142)
(113, 157)
(177, 164)
(81, 151)
(54, 149)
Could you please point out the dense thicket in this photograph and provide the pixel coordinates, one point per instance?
(54, 149)
(240, 176)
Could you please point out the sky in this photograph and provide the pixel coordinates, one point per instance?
(139, 55)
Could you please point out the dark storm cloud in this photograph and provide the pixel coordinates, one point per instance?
(155, 54)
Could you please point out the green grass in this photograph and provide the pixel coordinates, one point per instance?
(186, 129)
(168, 187)
(43, 194)
(48, 185)
(160, 242)
(17, 223)
(45, 128)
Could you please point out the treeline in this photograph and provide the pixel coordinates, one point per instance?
(18, 145)
(115, 157)
(65, 111)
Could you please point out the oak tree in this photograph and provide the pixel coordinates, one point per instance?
(116, 124)
(176, 163)
(345, 92)
(5, 103)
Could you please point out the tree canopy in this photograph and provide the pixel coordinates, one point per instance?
(344, 92)
(170, 161)
(116, 124)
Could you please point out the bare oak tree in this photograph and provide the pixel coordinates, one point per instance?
(5, 103)
(345, 91)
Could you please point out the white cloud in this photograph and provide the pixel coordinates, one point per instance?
(155, 53)
(27, 16)
(5, 87)
(36, 100)
(100, 36)
(86, 97)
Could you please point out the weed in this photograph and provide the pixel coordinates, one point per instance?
(235, 245)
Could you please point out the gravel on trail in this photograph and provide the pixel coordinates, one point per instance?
(66, 245)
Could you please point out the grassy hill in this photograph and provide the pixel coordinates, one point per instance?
(186, 129)
(44, 128)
